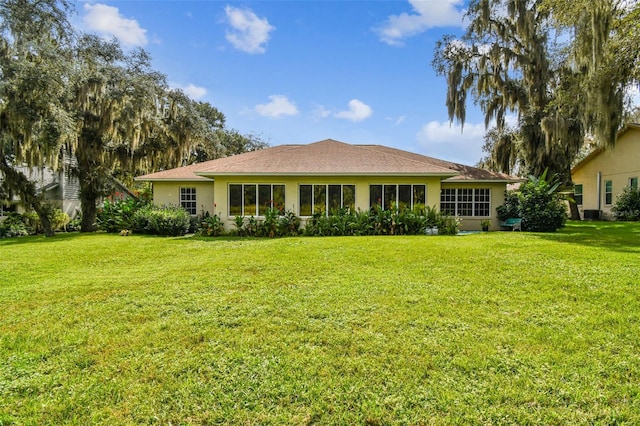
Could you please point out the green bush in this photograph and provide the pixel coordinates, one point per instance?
(539, 204)
(511, 206)
(627, 205)
(13, 226)
(115, 216)
(210, 226)
(167, 220)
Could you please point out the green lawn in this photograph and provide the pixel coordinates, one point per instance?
(492, 328)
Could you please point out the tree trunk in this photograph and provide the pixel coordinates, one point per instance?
(89, 214)
(19, 183)
(90, 181)
(574, 213)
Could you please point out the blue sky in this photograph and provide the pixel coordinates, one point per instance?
(303, 71)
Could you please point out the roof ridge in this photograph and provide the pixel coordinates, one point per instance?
(244, 157)
(373, 146)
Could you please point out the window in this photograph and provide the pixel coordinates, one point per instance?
(466, 201)
(404, 196)
(577, 193)
(633, 183)
(255, 199)
(5, 209)
(608, 192)
(326, 199)
(188, 200)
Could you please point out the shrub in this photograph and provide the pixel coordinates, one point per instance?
(539, 204)
(170, 221)
(289, 224)
(13, 226)
(627, 205)
(210, 226)
(114, 216)
(59, 220)
(29, 222)
(511, 206)
(450, 225)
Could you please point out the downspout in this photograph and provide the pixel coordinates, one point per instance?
(599, 191)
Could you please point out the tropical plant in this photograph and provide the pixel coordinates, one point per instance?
(116, 215)
(211, 226)
(542, 206)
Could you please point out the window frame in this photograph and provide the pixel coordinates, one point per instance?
(608, 192)
(384, 193)
(326, 191)
(465, 200)
(578, 197)
(247, 189)
(190, 203)
(633, 183)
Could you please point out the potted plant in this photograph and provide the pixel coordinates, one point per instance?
(485, 224)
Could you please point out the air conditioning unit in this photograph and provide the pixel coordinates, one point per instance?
(591, 215)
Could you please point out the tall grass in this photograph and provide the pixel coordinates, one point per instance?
(491, 328)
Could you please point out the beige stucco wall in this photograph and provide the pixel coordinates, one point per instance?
(167, 193)
(617, 165)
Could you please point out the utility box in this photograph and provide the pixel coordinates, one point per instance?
(591, 215)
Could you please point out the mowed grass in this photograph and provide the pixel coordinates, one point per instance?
(492, 328)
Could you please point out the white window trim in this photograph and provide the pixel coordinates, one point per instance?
(195, 200)
(257, 185)
(326, 195)
(473, 203)
(397, 185)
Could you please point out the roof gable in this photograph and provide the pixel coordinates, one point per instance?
(596, 152)
(328, 157)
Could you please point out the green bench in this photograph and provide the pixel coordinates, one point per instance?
(515, 223)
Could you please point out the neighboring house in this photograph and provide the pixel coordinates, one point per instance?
(60, 187)
(323, 176)
(601, 176)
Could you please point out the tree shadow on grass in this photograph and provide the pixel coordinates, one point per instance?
(617, 236)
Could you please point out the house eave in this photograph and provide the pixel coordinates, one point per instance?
(193, 179)
(505, 181)
(213, 175)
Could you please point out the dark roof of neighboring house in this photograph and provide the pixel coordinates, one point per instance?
(597, 151)
(328, 157)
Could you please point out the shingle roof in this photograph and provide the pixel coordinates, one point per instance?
(328, 157)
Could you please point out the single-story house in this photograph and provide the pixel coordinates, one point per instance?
(323, 176)
(602, 175)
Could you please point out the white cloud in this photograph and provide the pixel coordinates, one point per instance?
(321, 112)
(442, 140)
(426, 14)
(278, 106)
(107, 21)
(193, 91)
(357, 111)
(249, 33)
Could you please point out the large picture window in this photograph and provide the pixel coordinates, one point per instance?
(326, 199)
(188, 200)
(466, 202)
(404, 196)
(255, 199)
